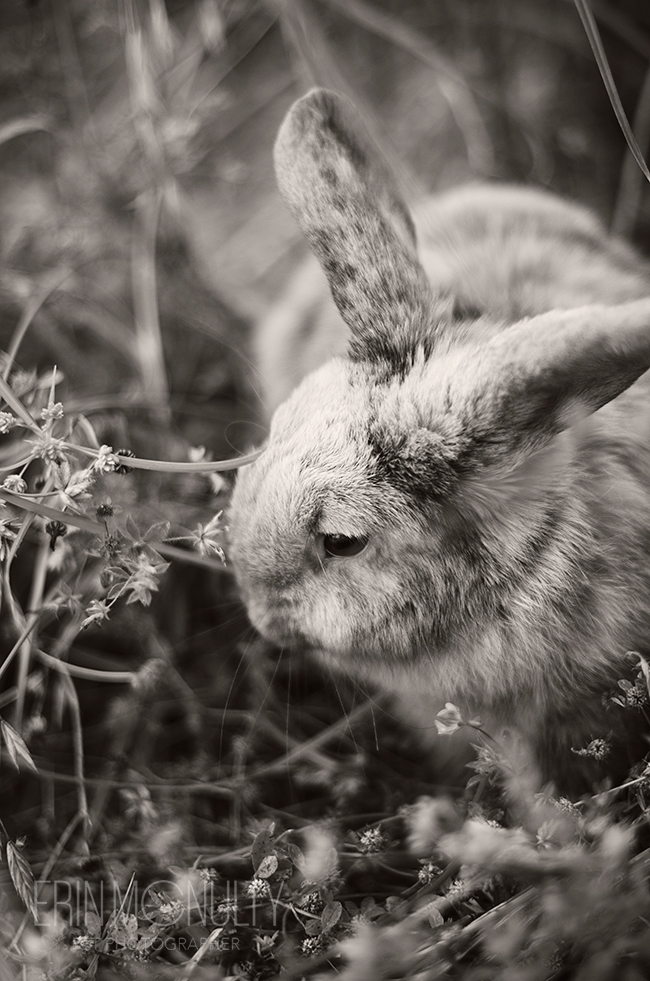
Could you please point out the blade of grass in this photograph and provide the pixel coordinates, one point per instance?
(147, 104)
(593, 36)
(307, 746)
(88, 674)
(73, 78)
(47, 868)
(196, 958)
(33, 607)
(149, 345)
(164, 466)
(77, 520)
(23, 646)
(24, 124)
(212, 789)
(12, 400)
(78, 749)
(628, 198)
(168, 466)
(14, 650)
(50, 284)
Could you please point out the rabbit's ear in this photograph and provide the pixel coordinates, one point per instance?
(542, 375)
(347, 203)
(494, 404)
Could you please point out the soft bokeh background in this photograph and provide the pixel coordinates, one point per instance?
(141, 235)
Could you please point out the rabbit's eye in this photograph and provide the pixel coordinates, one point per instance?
(342, 545)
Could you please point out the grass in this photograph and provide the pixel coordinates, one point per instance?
(179, 799)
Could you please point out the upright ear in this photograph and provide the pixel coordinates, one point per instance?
(348, 205)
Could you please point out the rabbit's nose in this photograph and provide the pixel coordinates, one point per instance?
(273, 621)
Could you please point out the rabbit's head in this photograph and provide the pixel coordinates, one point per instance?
(407, 491)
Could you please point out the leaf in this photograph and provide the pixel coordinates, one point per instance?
(296, 855)
(262, 846)
(331, 916)
(267, 866)
(16, 747)
(21, 876)
(157, 532)
(313, 928)
(393, 903)
(434, 916)
(132, 529)
(370, 909)
(122, 928)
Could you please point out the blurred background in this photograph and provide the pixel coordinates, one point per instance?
(141, 235)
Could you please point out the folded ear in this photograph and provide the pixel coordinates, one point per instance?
(348, 205)
(542, 375)
(496, 403)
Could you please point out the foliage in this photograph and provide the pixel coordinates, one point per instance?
(178, 798)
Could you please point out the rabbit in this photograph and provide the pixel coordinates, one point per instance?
(454, 500)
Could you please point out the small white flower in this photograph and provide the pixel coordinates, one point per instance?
(48, 448)
(428, 873)
(51, 412)
(545, 836)
(206, 539)
(567, 806)
(15, 483)
(106, 460)
(196, 454)
(372, 841)
(456, 889)
(312, 945)
(7, 422)
(208, 875)
(170, 912)
(228, 909)
(448, 720)
(217, 482)
(312, 903)
(143, 580)
(96, 612)
(257, 888)
(7, 536)
(77, 487)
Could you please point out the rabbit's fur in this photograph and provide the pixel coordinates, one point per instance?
(487, 433)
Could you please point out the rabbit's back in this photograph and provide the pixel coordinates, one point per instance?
(511, 252)
(502, 251)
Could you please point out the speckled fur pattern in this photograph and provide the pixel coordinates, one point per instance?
(487, 432)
